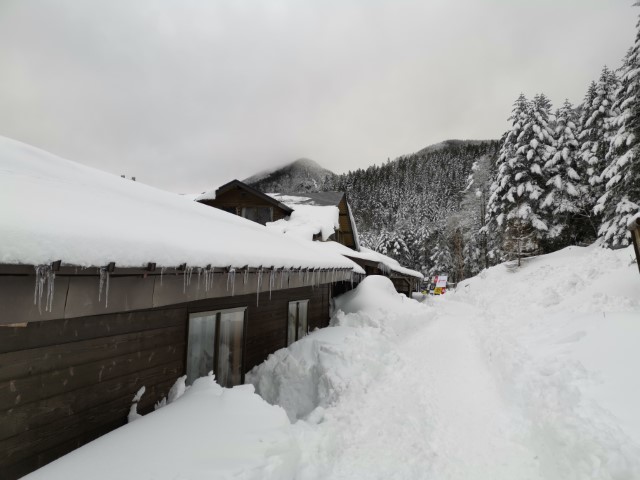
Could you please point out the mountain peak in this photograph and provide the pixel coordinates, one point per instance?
(301, 175)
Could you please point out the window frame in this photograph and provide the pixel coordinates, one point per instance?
(297, 322)
(216, 340)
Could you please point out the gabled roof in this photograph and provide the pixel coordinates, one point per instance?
(243, 186)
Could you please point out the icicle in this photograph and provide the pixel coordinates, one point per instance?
(231, 277)
(272, 280)
(51, 277)
(351, 279)
(199, 273)
(186, 278)
(281, 277)
(44, 276)
(259, 283)
(104, 285)
(162, 269)
(246, 276)
(208, 279)
(184, 281)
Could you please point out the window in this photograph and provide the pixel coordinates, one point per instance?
(258, 214)
(215, 343)
(297, 323)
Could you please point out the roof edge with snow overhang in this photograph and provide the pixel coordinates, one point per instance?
(87, 218)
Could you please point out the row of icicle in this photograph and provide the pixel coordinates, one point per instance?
(45, 281)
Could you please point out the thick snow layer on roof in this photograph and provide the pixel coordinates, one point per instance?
(318, 199)
(85, 217)
(306, 221)
(209, 432)
(367, 254)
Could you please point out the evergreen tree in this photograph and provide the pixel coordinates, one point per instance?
(621, 199)
(473, 216)
(595, 126)
(515, 201)
(441, 259)
(564, 189)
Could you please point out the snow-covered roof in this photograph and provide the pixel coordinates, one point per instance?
(318, 199)
(385, 262)
(308, 220)
(313, 213)
(87, 217)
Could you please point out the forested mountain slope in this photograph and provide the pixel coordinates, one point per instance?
(405, 207)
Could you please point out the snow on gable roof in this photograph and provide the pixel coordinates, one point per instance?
(386, 263)
(87, 217)
(309, 220)
(319, 199)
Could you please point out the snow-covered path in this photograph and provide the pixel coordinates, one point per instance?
(436, 413)
(475, 433)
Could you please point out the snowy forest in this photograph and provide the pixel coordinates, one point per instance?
(560, 176)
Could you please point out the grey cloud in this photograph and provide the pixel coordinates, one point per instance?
(188, 95)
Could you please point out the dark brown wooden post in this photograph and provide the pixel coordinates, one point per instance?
(634, 226)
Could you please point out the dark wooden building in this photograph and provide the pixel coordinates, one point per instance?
(68, 374)
(153, 287)
(404, 280)
(236, 197)
(241, 199)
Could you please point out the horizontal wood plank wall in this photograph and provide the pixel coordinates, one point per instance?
(66, 382)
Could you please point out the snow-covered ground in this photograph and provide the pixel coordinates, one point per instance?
(518, 374)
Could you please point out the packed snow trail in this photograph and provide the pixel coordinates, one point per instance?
(434, 413)
(475, 434)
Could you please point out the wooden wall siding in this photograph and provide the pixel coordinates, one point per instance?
(346, 232)
(240, 198)
(65, 382)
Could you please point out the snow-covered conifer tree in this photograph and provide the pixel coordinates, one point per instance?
(564, 188)
(515, 201)
(595, 131)
(441, 258)
(621, 199)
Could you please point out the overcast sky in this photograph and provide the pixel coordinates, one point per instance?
(187, 95)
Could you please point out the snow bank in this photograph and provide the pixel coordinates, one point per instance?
(318, 370)
(60, 210)
(306, 221)
(209, 432)
(562, 334)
